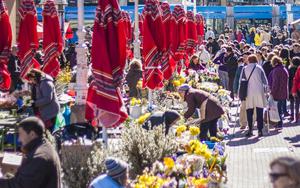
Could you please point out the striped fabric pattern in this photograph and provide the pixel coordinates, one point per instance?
(27, 7)
(104, 101)
(3, 8)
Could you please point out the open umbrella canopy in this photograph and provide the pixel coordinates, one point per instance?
(178, 35)
(5, 45)
(28, 38)
(154, 44)
(52, 39)
(168, 64)
(192, 37)
(104, 100)
(200, 27)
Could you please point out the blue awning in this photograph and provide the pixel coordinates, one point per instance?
(252, 9)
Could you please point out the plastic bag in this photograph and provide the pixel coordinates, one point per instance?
(273, 110)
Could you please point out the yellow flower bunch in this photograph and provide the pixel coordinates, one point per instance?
(176, 83)
(214, 139)
(200, 183)
(65, 75)
(143, 118)
(135, 101)
(223, 92)
(169, 162)
(149, 181)
(180, 129)
(182, 80)
(196, 147)
(194, 130)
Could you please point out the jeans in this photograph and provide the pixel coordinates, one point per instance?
(210, 126)
(284, 107)
(295, 101)
(259, 118)
(280, 106)
(230, 86)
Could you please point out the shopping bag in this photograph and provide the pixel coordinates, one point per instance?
(273, 110)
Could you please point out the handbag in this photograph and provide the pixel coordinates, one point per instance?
(243, 91)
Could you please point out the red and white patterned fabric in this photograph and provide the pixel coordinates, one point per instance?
(28, 38)
(192, 37)
(200, 28)
(154, 44)
(129, 34)
(52, 39)
(104, 101)
(168, 64)
(178, 36)
(5, 45)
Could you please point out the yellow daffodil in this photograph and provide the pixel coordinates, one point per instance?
(200, 183)
(133, 101)
(194, 130)
(182, 80)
(143, 118)
(169, 162)
(176, 83)
(180, 129)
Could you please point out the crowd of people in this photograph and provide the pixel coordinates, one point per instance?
(264, 59)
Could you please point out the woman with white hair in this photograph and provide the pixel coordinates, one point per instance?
(204, 55)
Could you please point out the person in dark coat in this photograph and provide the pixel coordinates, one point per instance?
(133, 76)
(294, 101)
(208, 105)
(278, 82)
(45, 97)
(167, 118)
(267, 65)
(40, 166)
(231, 62)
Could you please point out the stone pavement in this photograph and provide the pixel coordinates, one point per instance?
(249, 158)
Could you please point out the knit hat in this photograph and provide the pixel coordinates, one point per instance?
(184, 87)
(115, 168)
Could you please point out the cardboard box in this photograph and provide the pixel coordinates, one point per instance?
(10, 162)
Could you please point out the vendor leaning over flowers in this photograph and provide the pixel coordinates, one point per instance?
(167, 118)
(208, 105)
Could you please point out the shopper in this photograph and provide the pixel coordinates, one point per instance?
(40, 167)
(45, 97)
(278, 82)
(256, 98)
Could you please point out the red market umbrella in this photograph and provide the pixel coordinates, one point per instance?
(69, 33)
(104, 100)
(191, 33)
(168, 64)
(200, 27)
(128, 30)
(28, 38)
(153, 44)
(5, 45)
(178, 35)
(52, 39)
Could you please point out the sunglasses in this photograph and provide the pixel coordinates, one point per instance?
(275, 176)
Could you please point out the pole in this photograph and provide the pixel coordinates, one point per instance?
(82, 69)
(137, 42)
(195, 7)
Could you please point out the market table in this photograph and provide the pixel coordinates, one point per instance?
(9, 123)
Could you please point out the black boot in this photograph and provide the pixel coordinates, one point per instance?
(249, 133)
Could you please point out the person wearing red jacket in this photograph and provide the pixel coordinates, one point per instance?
(295, 92)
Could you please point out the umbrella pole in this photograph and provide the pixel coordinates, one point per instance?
(104, 136)
(150, 99)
